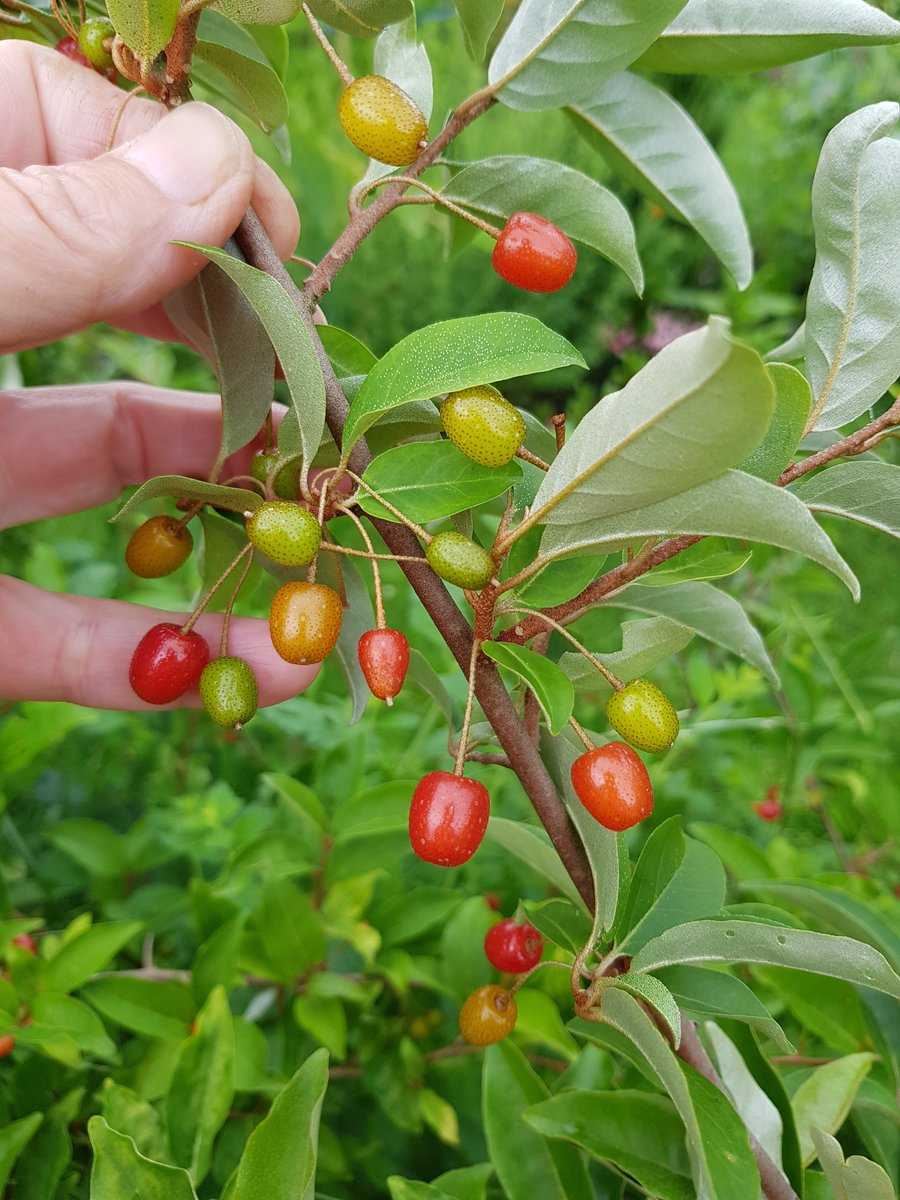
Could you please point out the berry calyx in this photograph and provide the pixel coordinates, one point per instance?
(459, 560)
(95, 42)
(305, 621)
(643, 716)
(229, 691)
(384, 659)
(167, 663)
(7, 1045)
(613, 785)
(25, 942)
(534, 254)
(447, 818)
(482, 423)
(513, 947)
(381, 120)
(488, 1016)
(771, 808)
(158, 547)
(285, 532)
(286, 483)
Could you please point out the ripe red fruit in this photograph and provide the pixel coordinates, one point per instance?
(513, 947)
(25, 942)
(384, 659)
(447, 818)
(7, 1045)
(167, 663)
(613, 785)
(533, 254)
(770, 809)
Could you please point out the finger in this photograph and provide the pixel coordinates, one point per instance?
(78, 649)
(65, 449)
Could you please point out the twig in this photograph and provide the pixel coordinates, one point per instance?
(856, 443)
(333, 57)
(435, 197)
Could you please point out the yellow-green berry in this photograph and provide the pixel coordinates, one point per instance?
(95, 42)
(381, 120)
(286, 483)
(482, 423)
(459, 560)
(643, 715)
(229, 691)
(285, 532)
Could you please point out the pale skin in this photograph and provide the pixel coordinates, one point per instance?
(86, 236)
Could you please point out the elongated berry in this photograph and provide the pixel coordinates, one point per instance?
(305, 621)
(613, 785)
(167, 663)
(229, 691)
(447, 818)
(643, 716)
(459, 560)
(513, 946)
(158, 547)
(534, 254)
(285, 532)
(488, 1016)
(482, 423)
(384, 659)
(381, 120)
(286, 484)
(95, 42)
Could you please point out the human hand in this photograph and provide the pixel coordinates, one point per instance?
(86, 237)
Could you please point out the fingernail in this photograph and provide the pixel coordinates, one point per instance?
(190, 154)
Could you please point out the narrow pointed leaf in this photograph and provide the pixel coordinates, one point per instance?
(553, 689)
(867, 492)
(823, 1100)
(361, 18)
(479, 20)
(119, 1170)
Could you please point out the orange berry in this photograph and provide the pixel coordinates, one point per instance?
(305, 621)
(158, 547)
(488, 1015)
(7, 1045)
(381, 120)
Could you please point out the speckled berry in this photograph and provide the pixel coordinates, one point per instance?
(613, 785)
(513, 946)
(285, 532)
(167, 663)
(534, 254)
(286, 484)
(229, 691)
(482, 423)
(643, 716)
(95, 42)
(459, 560)
(384, 660)
(488, 1016)
(381, 120)
(447, 818)
(305, 621)
(158, 547)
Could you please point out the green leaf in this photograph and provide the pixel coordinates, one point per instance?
(479, 20)
(532, 847)
(649, 990)
(40, 1171)
(86, 954)
(464, 965)
(291, 340)
(202, 1087)
(94, 846)
(855, 1179)
(325, 1020)
(656, 145)
(440, 1116)
(778, 946)
(75, 1019)
(740, 854)
(753, 1106)
(695, 889)
(704, 993)
(538, 1021)
(640, 1134)
(349, 356)
(180, 487)
(13, 1140)
(852, 312)
(558, 52)
(423, 675)
(279, 1161)
(697, 408)
(466, 1183)
(713, 558)
(824, 1100)
(259, 12)
(153, 1009)
(361, 18)
(560, 921)
(401, 57)
(430, 480)
(719, 37)
(455, 354)
(126, 1112)
(827, 1008)
(552, 689)
(223, 540)
(290, 928)
(413, 1189)
(358, 617)
(734, 505)
(119, 1170)
(868, 492)
(216, 960)
(793, 402)
(554, 583)
(228, 60)
(411, 913)
(581, 207)
(645, 644)
(145, 26)
(526, 1165)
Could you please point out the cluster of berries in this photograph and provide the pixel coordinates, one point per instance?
(93, 46)
(489, 1014)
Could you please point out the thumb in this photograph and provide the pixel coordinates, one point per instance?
(90, 241)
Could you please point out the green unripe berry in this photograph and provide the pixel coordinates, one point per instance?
(286, 483)
(459, 560)
(482, 423)
(95, 40)
(643, 715)
(229, 691)
(285, 532)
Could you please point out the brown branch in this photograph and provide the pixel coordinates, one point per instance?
(856, 443)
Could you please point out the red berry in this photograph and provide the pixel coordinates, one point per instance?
(70, 48)
(447, 818)
(533, 254)
(25, 942)
(768, 810)
(492, 900)
(384, 659)
(512, 947)
(613, 785)
(7, 1045)
(167, 663)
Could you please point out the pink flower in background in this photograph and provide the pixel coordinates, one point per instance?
(665, 327)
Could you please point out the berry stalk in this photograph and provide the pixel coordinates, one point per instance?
(201, 607)
(459, 765)
(613, 680)
(229, 610)
(376, 570)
